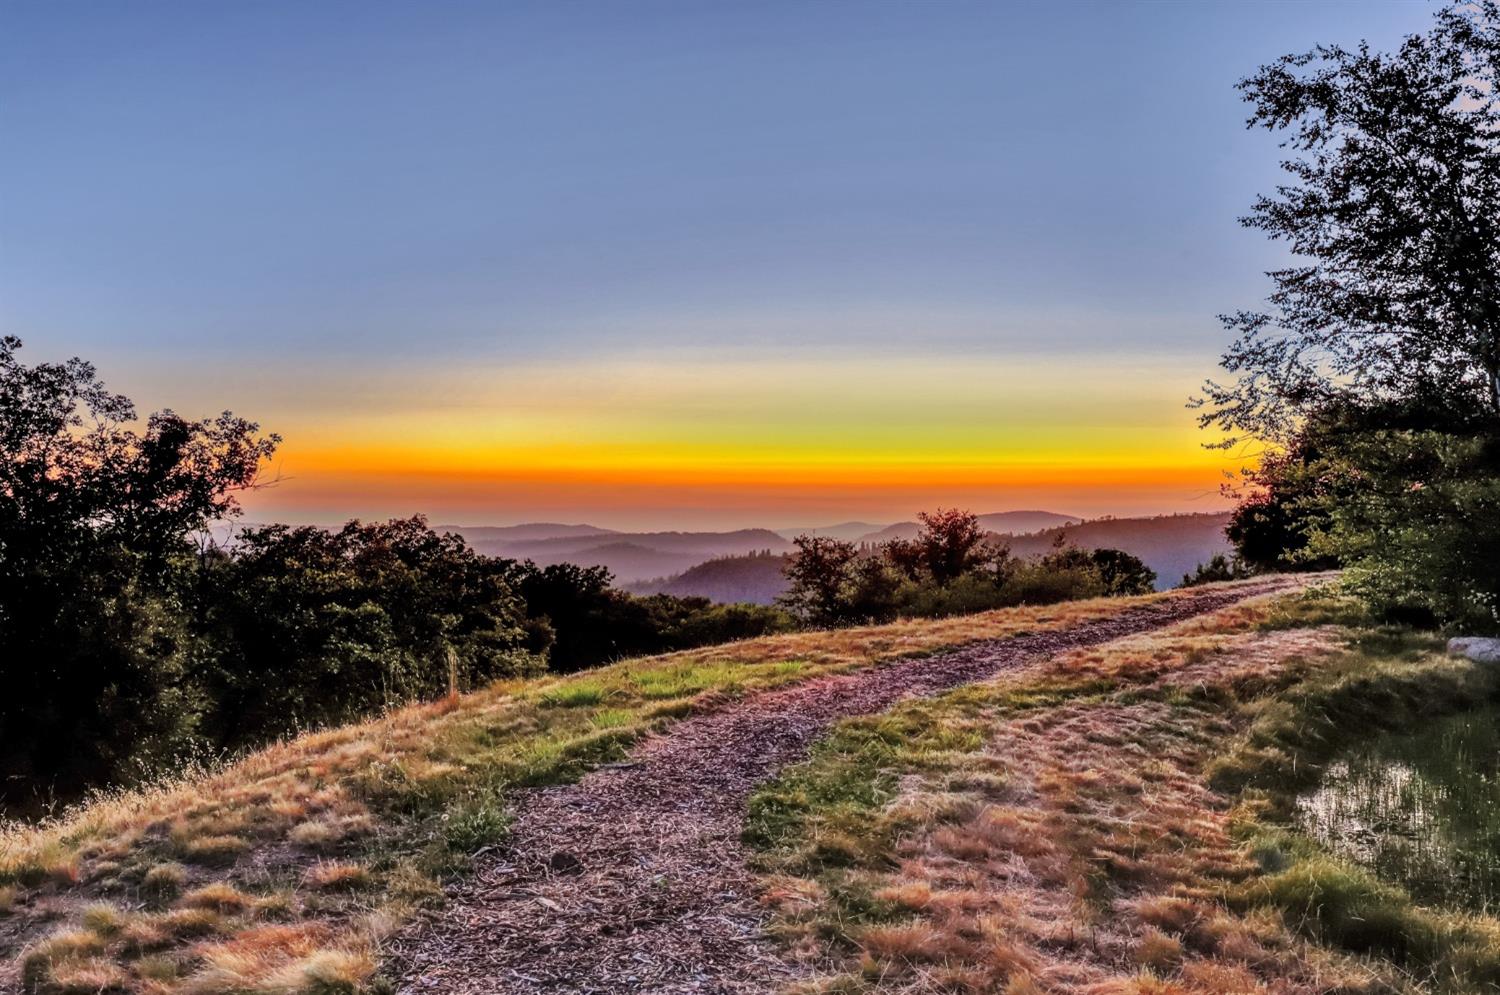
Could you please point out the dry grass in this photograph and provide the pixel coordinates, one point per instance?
(244, 878)
(1051, 831)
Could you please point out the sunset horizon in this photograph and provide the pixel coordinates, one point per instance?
(718, 274)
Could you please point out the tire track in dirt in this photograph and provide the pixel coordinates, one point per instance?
(634, 879)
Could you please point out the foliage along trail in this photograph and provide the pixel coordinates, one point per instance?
(635, 879)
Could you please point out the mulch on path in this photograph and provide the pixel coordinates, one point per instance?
(634, 879)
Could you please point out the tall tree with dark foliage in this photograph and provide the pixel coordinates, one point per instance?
(92, 509)
(1374, 374)
(1393, 210)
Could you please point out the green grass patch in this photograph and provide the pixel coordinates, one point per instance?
(1389, 679)
(578, 694)
(1324, 605)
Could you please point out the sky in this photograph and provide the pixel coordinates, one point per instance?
(656, 265)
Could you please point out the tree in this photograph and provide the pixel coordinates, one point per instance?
(302, 627)
(1122, 573)
(1420, 536)
(1374, 375)
(1290, 497)
(1393, 209)
(950, 544)
(818, 577)
(92, 514)
(1218, 568)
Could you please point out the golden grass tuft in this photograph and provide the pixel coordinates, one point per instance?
(912, 942)
(219, 896)
(330, 830)
(103, 919)
(213, 850)
(1157, 950)
(95, 976)
(281, 960)
(165, 879)
(337, 875)
(68, 947)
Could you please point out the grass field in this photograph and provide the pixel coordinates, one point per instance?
(284, 872)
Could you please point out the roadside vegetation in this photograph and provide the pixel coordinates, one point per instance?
(952, 566)
(283, 872)
(1115, 820)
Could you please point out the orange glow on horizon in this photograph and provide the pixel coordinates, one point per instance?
(737, 443)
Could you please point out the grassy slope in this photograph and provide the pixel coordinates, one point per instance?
(283, 872)
(1106, 823)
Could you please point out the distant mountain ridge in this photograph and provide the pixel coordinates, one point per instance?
(630, 556)
(847, 531)
(1000, 522)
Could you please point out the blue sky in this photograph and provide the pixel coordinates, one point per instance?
(254, 203)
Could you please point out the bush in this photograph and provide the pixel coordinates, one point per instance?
(1218, 568)
(306, 627)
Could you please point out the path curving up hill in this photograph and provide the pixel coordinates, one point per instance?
(634, 879)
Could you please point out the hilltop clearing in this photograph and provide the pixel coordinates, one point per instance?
(288, 871)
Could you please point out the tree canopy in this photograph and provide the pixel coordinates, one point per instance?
(1392, 209)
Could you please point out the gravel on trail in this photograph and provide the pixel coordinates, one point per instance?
(634, 879)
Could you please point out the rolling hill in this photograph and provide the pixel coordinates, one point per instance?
(630, 556)
(733, 568)
(755, 578)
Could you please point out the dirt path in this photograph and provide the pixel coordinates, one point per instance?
(634, 879)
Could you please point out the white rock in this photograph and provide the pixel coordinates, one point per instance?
(1483, 650)
(1459, 645)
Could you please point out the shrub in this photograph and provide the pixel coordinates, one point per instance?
(1218, 568)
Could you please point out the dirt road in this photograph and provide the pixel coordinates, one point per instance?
(634, 879)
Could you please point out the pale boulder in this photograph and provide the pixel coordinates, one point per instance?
(1476, 648)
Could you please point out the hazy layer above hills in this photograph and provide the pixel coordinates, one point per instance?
(522, 533)
(630, 556)
(848, 531)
